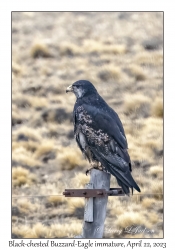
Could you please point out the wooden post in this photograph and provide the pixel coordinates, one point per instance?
(88, 210)
(95, 213)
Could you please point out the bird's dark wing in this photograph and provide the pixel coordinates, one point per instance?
(117, 167)
(106, 142)
(104, 121)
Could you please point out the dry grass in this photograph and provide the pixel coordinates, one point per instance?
(153, 218)
(92, 46)
(135, 102)
(74, 203)
(66, 230)
(157, 189)
(52, 187)
(56, 200)
(136, 150)
(25, 101)
(29, 133)
(57, 130)
(69, 49)
(110, 72)
(21, 176)
(148, 202)
(25, 157)
(40, 49)
(157, 107)
(137, 72)
(37, 231)
(27, 145)
(80, 180)
(153, 127)
(150, 59)
(70, 158)
(156, 171)
(45, 148)
(26, 207)
(38, 102)
(132, 218)
(19, 117)
(16, 68)
(116, 211)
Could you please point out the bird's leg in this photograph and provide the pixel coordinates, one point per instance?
(100, 166)
(94, 165)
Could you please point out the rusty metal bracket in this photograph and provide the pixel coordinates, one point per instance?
(116, 192)
(87, 193)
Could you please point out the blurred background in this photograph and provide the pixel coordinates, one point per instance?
(121, 53)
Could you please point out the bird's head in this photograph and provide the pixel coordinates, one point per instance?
(81, 88)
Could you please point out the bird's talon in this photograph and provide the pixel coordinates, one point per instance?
(87, 171)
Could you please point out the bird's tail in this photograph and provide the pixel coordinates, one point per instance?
(124, 187)
(124, 179)
(122, 173)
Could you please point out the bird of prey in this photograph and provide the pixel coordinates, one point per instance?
(100, 135)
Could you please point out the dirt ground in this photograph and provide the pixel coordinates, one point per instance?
(121, 53)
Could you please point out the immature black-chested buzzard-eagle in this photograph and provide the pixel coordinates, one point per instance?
(100, 134)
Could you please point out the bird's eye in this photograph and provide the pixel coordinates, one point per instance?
(77, 86)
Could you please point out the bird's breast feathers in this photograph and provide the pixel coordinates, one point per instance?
(98, 125)
(85, 124)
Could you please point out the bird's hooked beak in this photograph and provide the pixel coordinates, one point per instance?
(69, 89)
